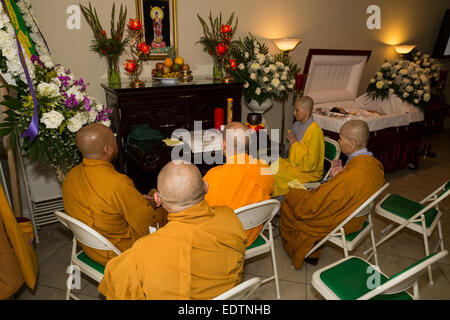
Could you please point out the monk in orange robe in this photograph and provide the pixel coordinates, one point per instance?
(198, 255)
(18, 263)
(243, 180)
(107, 201)
(308, 216)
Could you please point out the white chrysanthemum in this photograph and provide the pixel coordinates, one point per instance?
(279, 65)
(106, 123)
(255, 66)
(379, 75)
(92, 115)
(268, 89)
(416, 83)
(276, 75)
(266, 69)
(261, 58)
(246, 55)
(48, 89)
(380, 84)
(253, 76)
(290, 86)
(283, 77)
(281, 88)
(416, 101)
(275, 82)
(241, 66)
(265, 79)
(405, 95)
(406, 81)
(99, 107)
(258, 91)
(426, 97)
(52, 119)
(272, 67)
(403, 72)
(409, 88)
(245, 85)
(419, 92)
(77, 121)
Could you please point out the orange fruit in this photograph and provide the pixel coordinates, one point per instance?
(168, 61)
(179, 60)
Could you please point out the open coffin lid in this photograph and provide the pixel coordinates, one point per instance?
(333, 80)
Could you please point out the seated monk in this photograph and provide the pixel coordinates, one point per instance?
(102, 198)
(242, 180)
(306, 150)
(308, 216)
(198, 255)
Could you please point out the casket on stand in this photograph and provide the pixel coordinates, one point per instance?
(333, 81)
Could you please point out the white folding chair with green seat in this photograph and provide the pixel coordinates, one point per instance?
(91, 238)
(256, 214)
(241, 291)
(349, 241)
(332, 152)
(416, 216)
(353, 278)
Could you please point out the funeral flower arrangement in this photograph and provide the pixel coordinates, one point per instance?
(63, 103)
(265, 76)
(411, 80)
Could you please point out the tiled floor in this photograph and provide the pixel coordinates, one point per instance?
(54, 249)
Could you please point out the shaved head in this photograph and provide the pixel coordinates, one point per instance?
(235, 134)
(180, 185)
(357, 131)
(95, 140)
(305, 102)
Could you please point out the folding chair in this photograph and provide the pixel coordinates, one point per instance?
(256, 214)
(91, 238)
(332, 152)
(353, 278)
(350, 241)
(414, 215)
(241, 291)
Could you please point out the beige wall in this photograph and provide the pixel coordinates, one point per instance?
(327, 24)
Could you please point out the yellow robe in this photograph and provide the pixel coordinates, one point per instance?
(17, 257)
(305, 161)
(108, 202)
(308, 216)
(237, 184)
(198, 255)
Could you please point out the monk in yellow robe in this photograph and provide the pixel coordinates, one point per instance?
(308, 216)
(107, 201)
(242, 180)
(306, 150)
(198, 254)
(18, 261)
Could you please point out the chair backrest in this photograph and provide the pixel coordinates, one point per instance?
(332, 149)
(405, 278)
(362, 210)
(241, 291)
(259, 213)
(85, 234)
(332, 152)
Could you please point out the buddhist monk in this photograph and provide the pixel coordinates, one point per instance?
(306, 150)
(107, 201)
(242, 180)
(308, 216)
(198, 254)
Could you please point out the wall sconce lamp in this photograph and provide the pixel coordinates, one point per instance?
(404, 48)
(285, 45)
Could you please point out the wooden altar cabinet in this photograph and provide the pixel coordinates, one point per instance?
(166, 108)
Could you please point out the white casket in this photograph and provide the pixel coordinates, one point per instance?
(333, 81)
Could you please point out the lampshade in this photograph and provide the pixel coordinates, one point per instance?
(404, 48)
(286, 44)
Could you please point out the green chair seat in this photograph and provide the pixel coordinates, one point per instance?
(406, 208)
(348, 280)
(258, 242)
(82, 256)
(350, 237)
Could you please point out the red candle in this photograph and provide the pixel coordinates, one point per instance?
(218, 117)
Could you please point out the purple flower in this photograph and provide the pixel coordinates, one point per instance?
(36, 59)
(71, 102)
(65, 81)
(87, 103)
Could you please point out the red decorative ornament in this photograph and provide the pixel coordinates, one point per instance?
(233, 63)
(221, 49)
(130, 65)
(145, 48)
(135, 24)
(225, 28)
